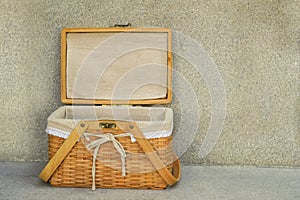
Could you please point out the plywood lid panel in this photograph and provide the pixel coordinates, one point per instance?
(116, 66)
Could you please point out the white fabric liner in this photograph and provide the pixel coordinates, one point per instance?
(154, 122)
(117, 66)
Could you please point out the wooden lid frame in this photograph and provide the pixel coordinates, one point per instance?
(67, 100)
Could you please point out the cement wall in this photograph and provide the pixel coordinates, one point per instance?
(254, 46)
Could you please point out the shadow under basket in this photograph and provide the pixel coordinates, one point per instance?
(76, 169)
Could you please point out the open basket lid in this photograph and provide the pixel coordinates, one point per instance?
(116, 66)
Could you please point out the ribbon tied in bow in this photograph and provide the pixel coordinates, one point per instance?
(95, 146)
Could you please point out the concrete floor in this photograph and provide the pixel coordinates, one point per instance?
(18, 180)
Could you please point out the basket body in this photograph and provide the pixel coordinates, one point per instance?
(76, 169)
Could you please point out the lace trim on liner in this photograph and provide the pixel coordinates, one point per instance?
(148, 135)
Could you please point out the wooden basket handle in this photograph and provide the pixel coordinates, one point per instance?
(168, 177)
(63, 151)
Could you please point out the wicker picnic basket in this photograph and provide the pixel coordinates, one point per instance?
(112, 146)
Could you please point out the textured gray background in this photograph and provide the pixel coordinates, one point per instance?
(255, 45)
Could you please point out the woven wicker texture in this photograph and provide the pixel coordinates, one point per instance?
(76, 169)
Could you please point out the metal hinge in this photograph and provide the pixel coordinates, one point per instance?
(122, 25)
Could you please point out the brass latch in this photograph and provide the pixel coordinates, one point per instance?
(107, 125)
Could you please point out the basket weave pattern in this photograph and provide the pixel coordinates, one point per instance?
(76, 169)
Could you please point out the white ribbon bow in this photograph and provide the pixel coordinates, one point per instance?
(103, 138)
